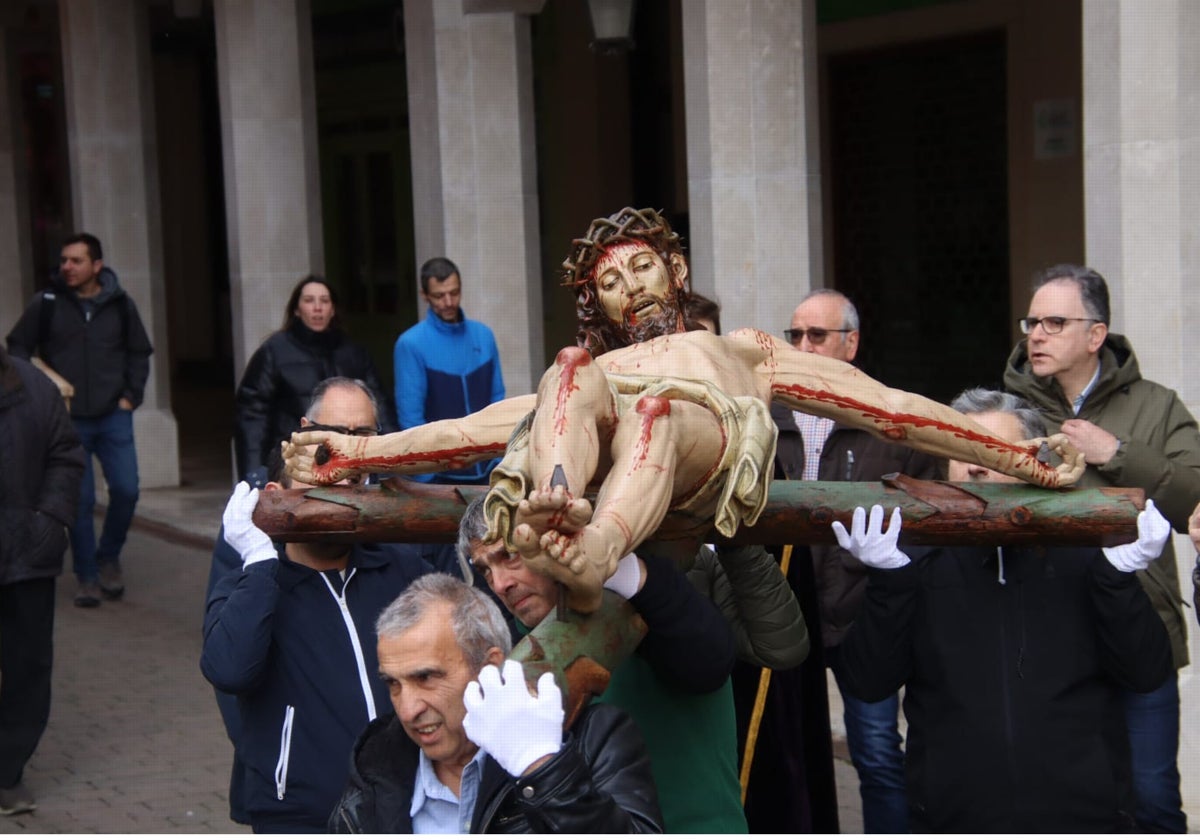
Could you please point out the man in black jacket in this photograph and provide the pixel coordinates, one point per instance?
(39, 485)
(87, 329)
(1013, 661)
(470, 750)
(811, 448)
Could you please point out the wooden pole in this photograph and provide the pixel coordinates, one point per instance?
(797, 512)
(760, 701)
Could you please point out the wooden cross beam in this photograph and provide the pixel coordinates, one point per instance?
(797, 512)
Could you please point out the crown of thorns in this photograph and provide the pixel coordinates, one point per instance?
(627, 224)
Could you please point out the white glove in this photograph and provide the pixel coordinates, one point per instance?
(246, 538)
(627, 579)
(1153, 532)
(869, 543)
(510, 724)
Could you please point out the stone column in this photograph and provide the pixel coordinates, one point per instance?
(1141, 82)
(1141, 107)
(470, 94)
(754, 175)
(16, 264)
(269, 141)
(114, 188)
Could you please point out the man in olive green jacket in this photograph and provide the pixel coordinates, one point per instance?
(1133, 433)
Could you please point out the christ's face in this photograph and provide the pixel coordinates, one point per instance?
(634, 284)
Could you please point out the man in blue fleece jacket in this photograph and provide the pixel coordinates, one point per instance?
(447, 366)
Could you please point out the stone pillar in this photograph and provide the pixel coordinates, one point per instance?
(470, 95)
(16, 264)
(1141, 107)
(114, 188)
(754, 176)
(1142, 208)
(269, 141)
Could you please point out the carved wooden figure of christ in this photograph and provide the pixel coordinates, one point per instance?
(678, 422)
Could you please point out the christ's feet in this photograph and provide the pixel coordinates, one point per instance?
(553, 510)
(579, 561)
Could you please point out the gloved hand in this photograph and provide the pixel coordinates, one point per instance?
(246, 538)
(1153, 532)
(627, 579)
(509, 723)
(869, 543)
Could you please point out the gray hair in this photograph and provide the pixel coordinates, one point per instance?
(1092, 288)
(981, 400)
(327, 385)
(471, 528)
(849, 310)
(476, 620)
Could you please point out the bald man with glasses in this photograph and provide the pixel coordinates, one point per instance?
(248, 641)
(1084, 380)
(815, 448)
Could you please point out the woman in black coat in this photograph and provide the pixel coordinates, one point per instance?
(278, 383)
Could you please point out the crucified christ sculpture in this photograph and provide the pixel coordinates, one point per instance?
(656, 417)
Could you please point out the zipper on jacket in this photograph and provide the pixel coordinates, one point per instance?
(348, 822)
(285, 752)
(493, 807)
(360, 663)
(1006, 693)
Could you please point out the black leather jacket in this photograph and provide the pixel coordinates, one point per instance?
(599, 782)
(279, 380)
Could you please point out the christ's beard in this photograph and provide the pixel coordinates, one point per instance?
(663, 322)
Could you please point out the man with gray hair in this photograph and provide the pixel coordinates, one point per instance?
(1084, 380)
(676, 685)
(471, 749)
(813, 448)
(1013, 662)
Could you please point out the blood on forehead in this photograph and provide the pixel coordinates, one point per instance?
(619, 255)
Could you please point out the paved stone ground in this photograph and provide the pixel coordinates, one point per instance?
(135, 743)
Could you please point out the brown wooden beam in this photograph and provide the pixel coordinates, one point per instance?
(797, 512)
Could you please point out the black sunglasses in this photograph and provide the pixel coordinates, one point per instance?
(358, 431)
(816, 335)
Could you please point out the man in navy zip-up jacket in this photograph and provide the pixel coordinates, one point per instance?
(292, 636)
(446, 366)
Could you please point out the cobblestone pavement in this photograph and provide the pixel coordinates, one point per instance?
(135, 743)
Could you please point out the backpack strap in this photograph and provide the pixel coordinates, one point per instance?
(45, 316)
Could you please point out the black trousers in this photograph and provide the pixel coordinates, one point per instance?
(26, 654)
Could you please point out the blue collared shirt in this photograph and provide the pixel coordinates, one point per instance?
(435, 809)
(1077, 403)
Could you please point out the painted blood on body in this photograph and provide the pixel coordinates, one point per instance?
(650, 409)
(455, 458)
(569, 359)
(897, 432)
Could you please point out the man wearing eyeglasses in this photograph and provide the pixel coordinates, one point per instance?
(1085, 381)
(815, 448)
(292, 627)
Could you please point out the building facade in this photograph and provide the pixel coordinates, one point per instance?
(925, 157)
